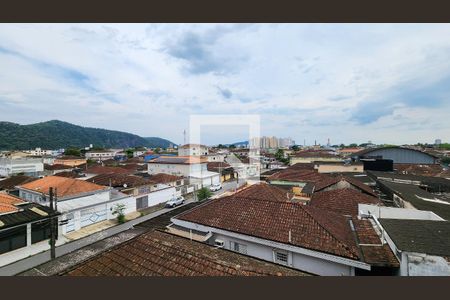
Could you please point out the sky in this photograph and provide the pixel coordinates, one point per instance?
(387, 83)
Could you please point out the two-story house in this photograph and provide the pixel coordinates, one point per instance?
(193, 168)
(192, 150)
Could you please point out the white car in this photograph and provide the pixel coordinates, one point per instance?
(175, 201)
(215, 187)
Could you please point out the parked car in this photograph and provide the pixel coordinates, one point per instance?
(215, 187)
(175, 201)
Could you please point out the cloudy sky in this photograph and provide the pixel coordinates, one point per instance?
(348, 82)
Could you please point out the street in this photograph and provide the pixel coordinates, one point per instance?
(74, 252)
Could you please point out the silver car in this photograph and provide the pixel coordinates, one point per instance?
(215, 187)
(175, 201)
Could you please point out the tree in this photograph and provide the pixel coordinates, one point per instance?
(352, 145)
(203, 193)
(157, 150)
(295, 148)
(445, 160)
(119, 210)
(232, 147)
(129, 153)
(72, 151)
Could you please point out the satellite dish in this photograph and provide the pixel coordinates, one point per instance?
(124, 185)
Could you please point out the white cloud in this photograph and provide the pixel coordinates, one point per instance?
(310, 81)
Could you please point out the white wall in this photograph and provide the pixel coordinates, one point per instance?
(419, 264)
(397, 213)
(295, 260)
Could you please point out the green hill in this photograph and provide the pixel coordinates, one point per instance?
(57, 134)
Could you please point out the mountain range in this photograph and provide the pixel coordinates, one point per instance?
(57, 134)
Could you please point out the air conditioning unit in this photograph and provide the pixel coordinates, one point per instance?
(219, 243)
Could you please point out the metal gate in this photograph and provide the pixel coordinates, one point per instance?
(93, 215)
(141, 202)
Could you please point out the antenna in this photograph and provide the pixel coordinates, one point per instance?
(184, 137)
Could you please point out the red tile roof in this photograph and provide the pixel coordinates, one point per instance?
(320, 185)
(97, 169)
(57, 167)
(10, 183)
(374, 252)
(308, 154)
(300, 175)
(264, 191)
(65, 186)
(164, 178)
(8, 203)
(161, 254)
(120, 180)
(215, 166)
(310, 227)
(422, 170)
(342, 201)
(184, 160)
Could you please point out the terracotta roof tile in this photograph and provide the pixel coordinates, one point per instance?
(342, 201)
(10, 183)
(161, 254)
(164, 178)
(65, 186)
(310, 227)
(264, 191)
(8, 203)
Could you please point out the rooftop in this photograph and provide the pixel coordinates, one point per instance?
(368, 150)
(8, 203)
(342, 201)
(65, 186)
(422, 236)
(28, 212)
(420, 198)
(162, 254)
(11, 182)
(164, 178)
(191, 146)
(120, 180)
(264, 191)
(98, 169)
(183, 160)
(310, 227)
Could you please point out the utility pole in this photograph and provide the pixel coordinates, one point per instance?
(52, 226)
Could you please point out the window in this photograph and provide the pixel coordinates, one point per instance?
(241, 248)
(281, 257)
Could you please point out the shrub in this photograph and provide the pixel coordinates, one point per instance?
(119, 210)
(203, 194)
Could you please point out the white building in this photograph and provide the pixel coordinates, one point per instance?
(39, 152)
(100, 154)
(27, 166)
(192, 167)
(192, 150)
(285, 233)
(81, 203)
(419, 239)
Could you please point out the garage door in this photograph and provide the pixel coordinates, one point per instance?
(93, 215)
